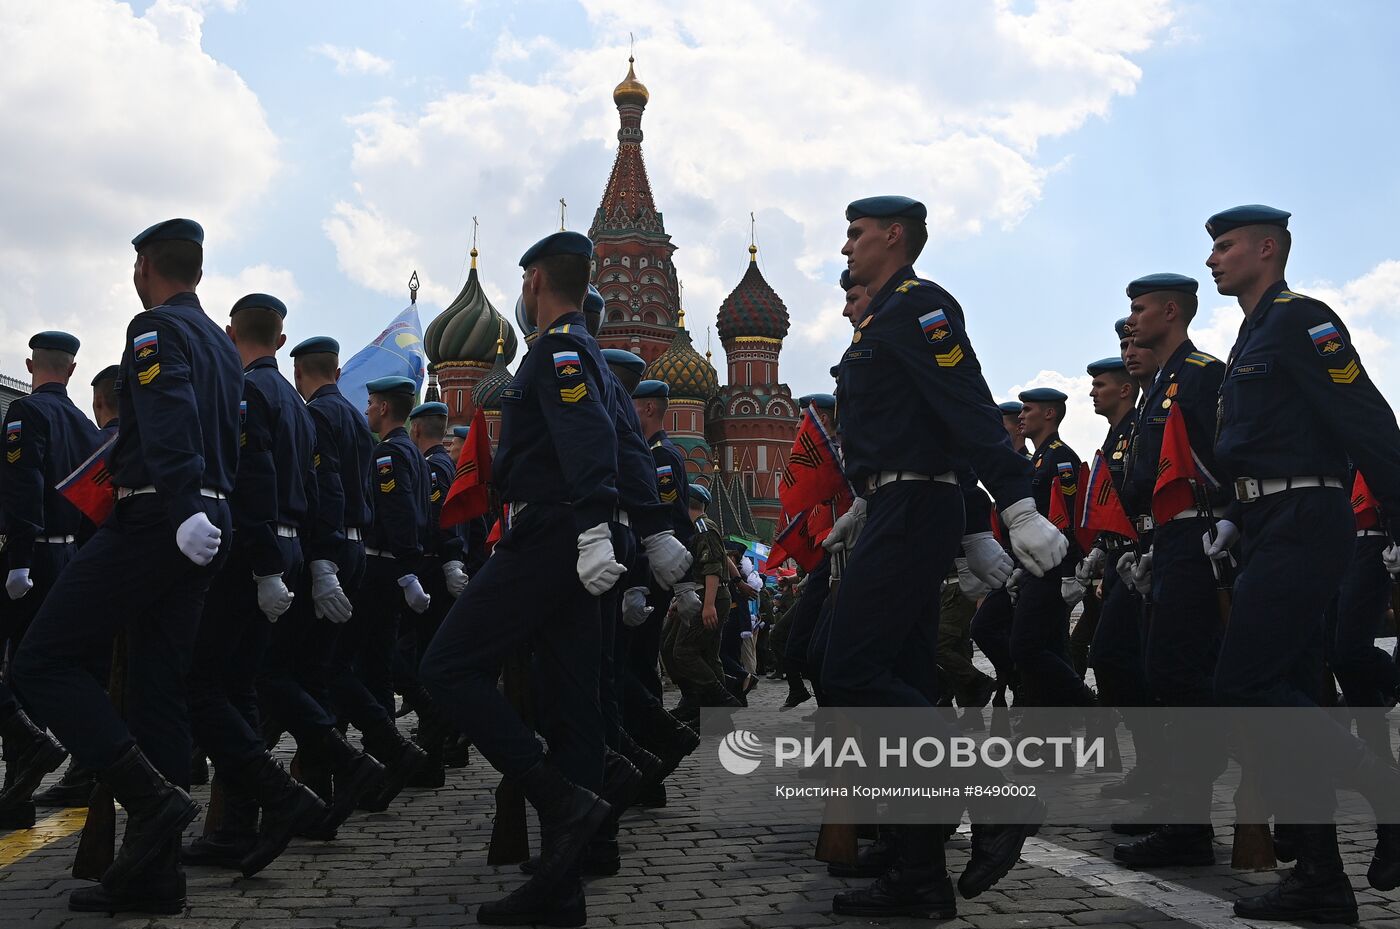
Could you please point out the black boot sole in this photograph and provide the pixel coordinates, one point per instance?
(204, 855)
(970, 890)
(565, 919)
(97, 900)
(273, 841)
(1383, 875)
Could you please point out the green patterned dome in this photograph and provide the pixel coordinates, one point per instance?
(753, 309)
(467, 330)
(487, 393)
(685, 370)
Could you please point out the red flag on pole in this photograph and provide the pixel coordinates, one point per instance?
(1178, 469)
(1060, 508)
(89, 488)
(796, 542)
(812, 474)
(1363, 504)
(467, 497)
(1103, 510)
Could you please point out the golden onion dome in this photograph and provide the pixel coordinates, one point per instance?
(689, 375)
(631, 91)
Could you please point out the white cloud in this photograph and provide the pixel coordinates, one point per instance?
(133, 124)
(1083, 430)
(763, 108)
(218, 292)
(354, 60)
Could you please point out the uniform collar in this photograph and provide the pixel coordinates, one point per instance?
(185, 298)
(1050, 440)
(112, 423)
(53, 387)
(897, 278)
(1177, 358)
(395, 433)
(326, 390)
(435, 449)
(572, 318)
(1126, 421)
(1265, 302)
(266, 361)
(658, 436)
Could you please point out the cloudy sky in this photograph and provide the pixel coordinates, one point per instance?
(1063, 147)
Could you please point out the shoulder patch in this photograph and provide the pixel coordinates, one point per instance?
(950, 358)
(567, 364)
(145, 345)
(12, 435)
(934, 326)
(147, 376)
(1345, 375)
(573, 394)
(1326, 339)
(384, 464)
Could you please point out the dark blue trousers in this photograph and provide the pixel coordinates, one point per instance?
(15, 615)
(316, 639)
(1367, 674)
(1040, 641)
(1183, 641)
(129, 576)
(362, 650)
(798, 653)
(298, 701)
(1117, 653)
(527, 592)
(991, 631)
(614, 639)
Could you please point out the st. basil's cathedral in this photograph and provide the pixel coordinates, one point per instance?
(735, 436)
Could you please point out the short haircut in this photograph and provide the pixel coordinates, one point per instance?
(1187, 302)
(1281, 236)
(432, 426)
(257, 325)
(1120, 377)
(318, 364)
(51, 359)
(566, 276)
(629, 377)
(106, 391)
(177, 260)
(1060, 409)
(400, 404)
(915, 234)
(662, 403)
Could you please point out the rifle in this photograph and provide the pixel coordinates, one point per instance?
(510, 836)
(97, 845)
(837, 842)
(1253, 848)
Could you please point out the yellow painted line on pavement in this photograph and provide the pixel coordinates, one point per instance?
(22, 843)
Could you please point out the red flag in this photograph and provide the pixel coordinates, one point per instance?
(812, 474)
(494, 535)
(797, 543)
(1060, 513)
(822, 518)
(998, 531)
(1179, 471)
(89, 488)
(467, 497)
(1102, 510)
(1363, 504)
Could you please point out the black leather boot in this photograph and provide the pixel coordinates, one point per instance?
(996, 849)
(458, 752)
(916, 883)
(538, 902)
(71, 792)
(871, 860)
(355, 774)
(288, 808)
(1170, 846)
(235, 837)
(158, 889)
(157, 812)
(1285, 843)
(569, 817)
(431, 737)
(652, 792)
(1316, 889)
(1384, 872)
(400, 757)
(601, 858)
(29, 755)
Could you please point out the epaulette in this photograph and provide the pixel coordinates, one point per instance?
(562, 329)
(656, 444)
(908, 285)
(1057, 444)
(1201, 359)
(1288, 296)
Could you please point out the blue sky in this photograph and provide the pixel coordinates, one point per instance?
(1063, 148)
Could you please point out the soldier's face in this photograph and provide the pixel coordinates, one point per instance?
(857, 302)
(374, 412)
(1232, 262)
(1012, 424)
(1148, 318)
(864, 248)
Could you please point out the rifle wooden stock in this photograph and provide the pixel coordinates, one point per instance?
(97, 845)
(510, 836)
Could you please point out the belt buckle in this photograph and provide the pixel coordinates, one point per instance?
(1247, 489)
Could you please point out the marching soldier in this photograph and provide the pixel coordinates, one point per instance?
(914, 407)
(46, 439)
(990, 627)
(149, 566)
(104, 401)
(1295, 405)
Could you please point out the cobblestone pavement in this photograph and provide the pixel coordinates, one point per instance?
(422, 863)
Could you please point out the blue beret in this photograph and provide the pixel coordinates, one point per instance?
(461, 431)
(1105, 365)
(1121, 327)
(109, 373)
(624, 359)
(886, 207)
(1010, 408)
(593, 302)
(431, 408)
(394, 384)
(846, 279)
(260, 302)
(558, 243)
(1152, 283)
(651, 388)
(698, 492)
(520, 320)
(1042, 395)
(835, 371)
(823, 401)
(186, 230)
(322, 344)
(55, 341)
(1251, 214)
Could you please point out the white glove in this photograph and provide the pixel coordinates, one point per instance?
(969, 584)
(198, 539)
(668, 557)
(634, 607)
(326, 593)
(1013, 584)
(1038, 545)
(1142, 574)
(986, 559)
(1391, 559)
(413, 593)
(1125, 567)
(17, 583)
(597, 568)
(847, 529)
(1090, 567)
(455, 577)
(1226, 534)
(686, 598)
(1071, 590)
(274, 598)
